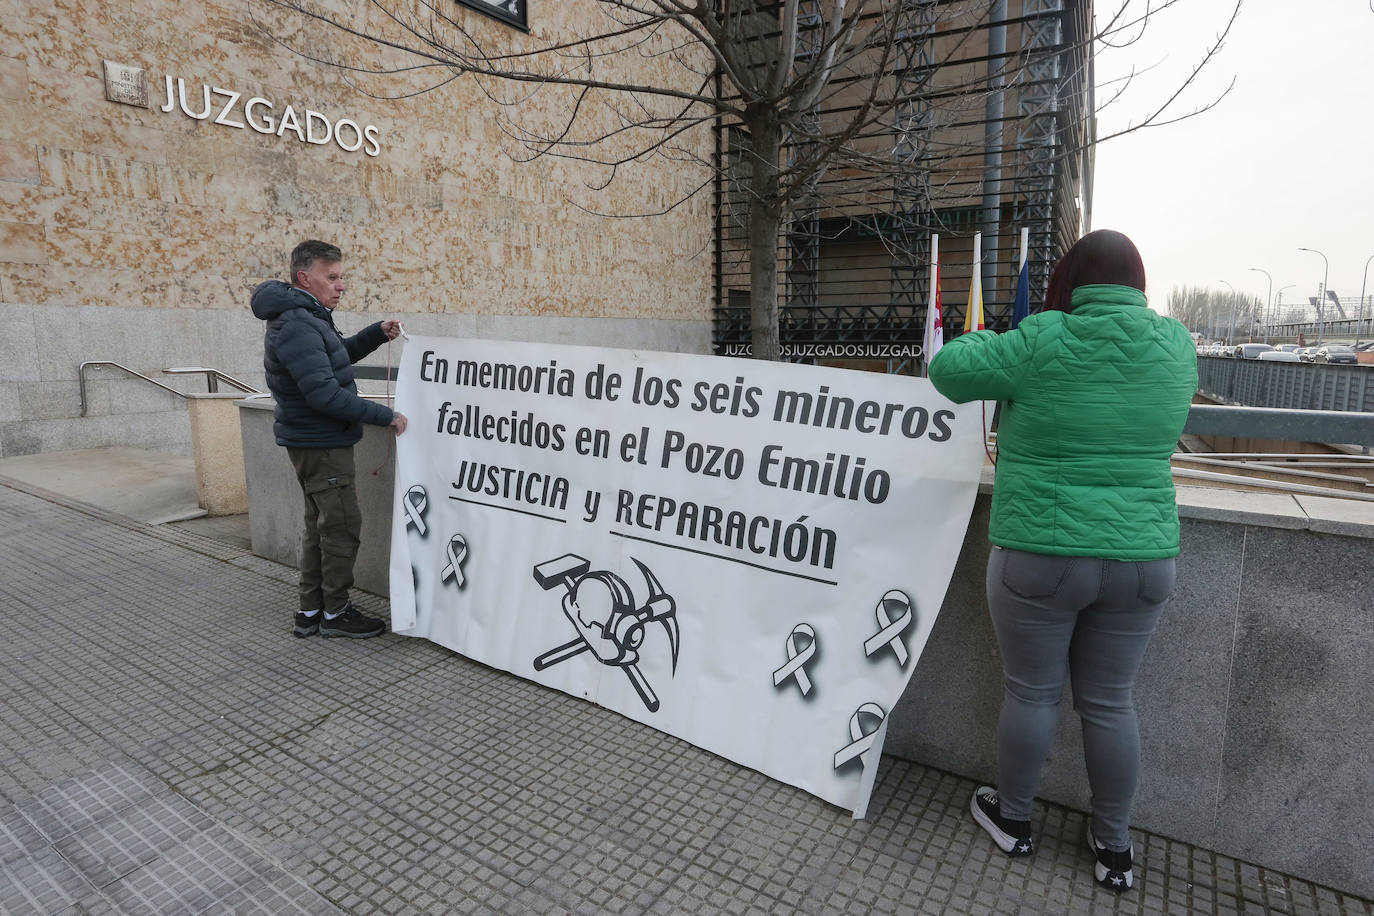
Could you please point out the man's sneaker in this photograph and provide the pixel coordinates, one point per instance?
(1012, 837)
(1111, 869)
(306, 624)
(352, 623)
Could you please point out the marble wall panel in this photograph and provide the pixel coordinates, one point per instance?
(9, 401)
(1299, 740)
(80, 91)
(14, 78)
(73, 213)
(23, 121)
(1182, 692)
(62, 285)
(22, 243)
(29, 203)
(948, 714)
(161, 432)
(42, 400)
(19, 344)
(18, 162)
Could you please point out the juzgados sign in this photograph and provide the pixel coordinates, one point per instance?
(261, 115)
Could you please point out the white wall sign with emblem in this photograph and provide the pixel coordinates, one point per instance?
(126, 84)
(747, 555)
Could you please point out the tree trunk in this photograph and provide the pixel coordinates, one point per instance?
(765, 222)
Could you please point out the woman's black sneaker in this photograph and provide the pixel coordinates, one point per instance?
(1012, 837)
(1111, 869)
(352, 623)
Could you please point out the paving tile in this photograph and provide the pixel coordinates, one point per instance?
(126, 840)
(212, 866)
(40, 883)
(271, 896)
(76, 803)
(19, 838)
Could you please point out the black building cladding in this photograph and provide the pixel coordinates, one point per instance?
(854, 250)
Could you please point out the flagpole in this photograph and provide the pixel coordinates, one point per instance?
(973, 313)
(935, 331)
(1020, 305)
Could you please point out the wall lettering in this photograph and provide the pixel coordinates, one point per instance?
(262, 115)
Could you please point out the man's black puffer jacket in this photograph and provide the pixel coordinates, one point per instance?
(310, 370)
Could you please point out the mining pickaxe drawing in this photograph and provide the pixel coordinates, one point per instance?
(601, 607)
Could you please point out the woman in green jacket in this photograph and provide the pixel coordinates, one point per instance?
(1095, 391)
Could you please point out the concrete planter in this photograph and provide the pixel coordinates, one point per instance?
(217, 446)
(276, 511)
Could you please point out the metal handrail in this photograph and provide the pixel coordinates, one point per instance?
(1288, 424)
(211, 379)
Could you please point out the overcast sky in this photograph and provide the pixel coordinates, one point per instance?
(1283, 161)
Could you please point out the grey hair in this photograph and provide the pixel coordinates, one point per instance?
(310, 251)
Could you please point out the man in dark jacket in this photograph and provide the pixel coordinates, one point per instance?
(319, 418)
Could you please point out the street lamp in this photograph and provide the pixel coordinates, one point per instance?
(1269, 300)
(1278, 298)
(1231, 331)
(1321, 293)
(1360, 320)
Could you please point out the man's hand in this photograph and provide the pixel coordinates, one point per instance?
(392, 329)
(398, 422)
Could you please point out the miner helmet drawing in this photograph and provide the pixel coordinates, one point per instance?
(609, 623)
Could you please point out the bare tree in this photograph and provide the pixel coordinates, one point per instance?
(1218, 314)
(803, 87)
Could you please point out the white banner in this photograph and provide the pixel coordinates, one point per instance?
(747, 555)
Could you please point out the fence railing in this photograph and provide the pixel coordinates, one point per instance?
(1300, 386)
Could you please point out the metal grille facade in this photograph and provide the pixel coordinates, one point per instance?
(854, 250)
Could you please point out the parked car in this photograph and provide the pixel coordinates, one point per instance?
(1336, 354)
(1306, 354)
(1252, 350)
(1279, 356)
(1287, 348)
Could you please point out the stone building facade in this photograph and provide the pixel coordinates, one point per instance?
(134, 233)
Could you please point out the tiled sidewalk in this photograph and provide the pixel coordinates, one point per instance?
(167, 747)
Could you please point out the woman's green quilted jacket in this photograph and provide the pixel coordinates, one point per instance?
(1093, 403)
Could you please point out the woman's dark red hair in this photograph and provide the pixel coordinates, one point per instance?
(1103, 256)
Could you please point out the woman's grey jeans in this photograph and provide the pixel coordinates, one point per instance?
(1088, 620)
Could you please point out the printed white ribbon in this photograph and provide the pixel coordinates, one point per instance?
(797, 659)
(861, 740)
(890, 631)
(414, 504)
(457, 552)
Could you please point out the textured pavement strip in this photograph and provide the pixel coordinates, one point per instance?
(167, 747)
